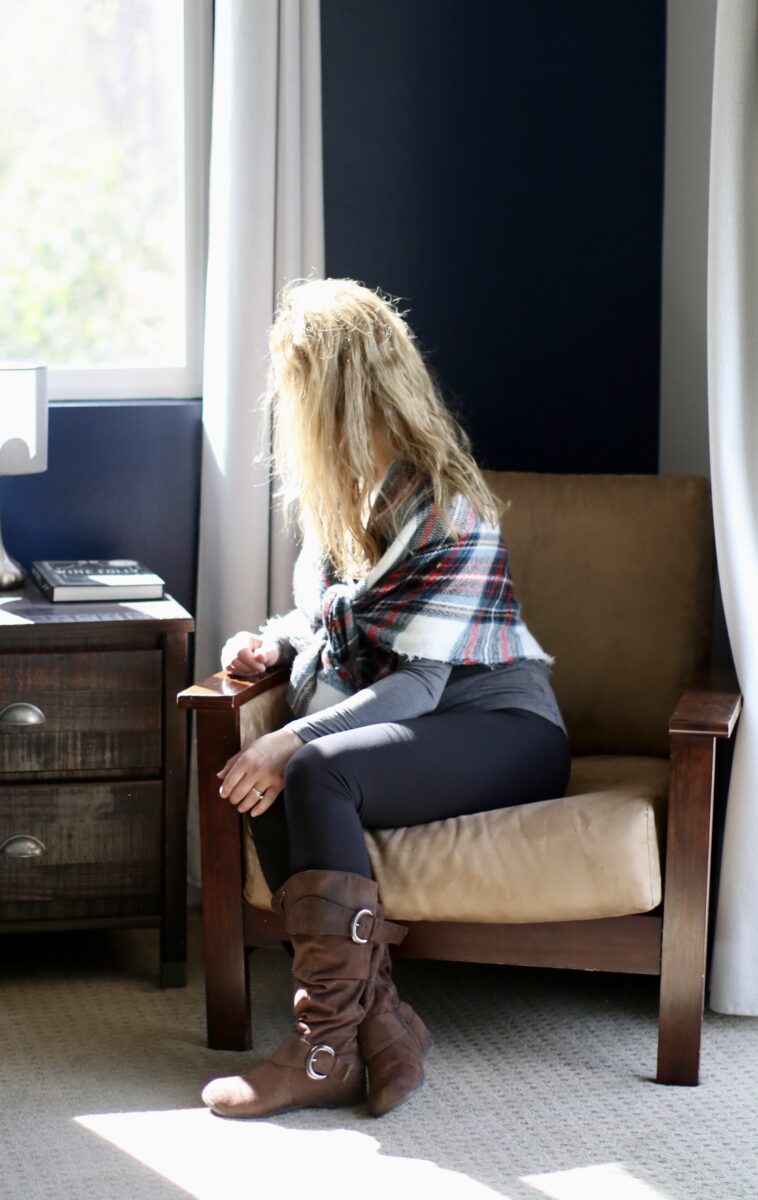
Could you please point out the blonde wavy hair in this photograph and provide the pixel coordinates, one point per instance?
(344, 370)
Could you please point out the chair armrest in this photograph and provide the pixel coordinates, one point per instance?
(220, 703)
(225, 692)
(710, 705)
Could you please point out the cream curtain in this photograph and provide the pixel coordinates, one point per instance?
(733, 422)
(265, 227)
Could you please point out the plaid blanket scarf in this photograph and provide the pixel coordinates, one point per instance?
(431, 595)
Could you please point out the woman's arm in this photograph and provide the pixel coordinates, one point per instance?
(411, 690)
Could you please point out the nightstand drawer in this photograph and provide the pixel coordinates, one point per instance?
(76, 850)
(98, 711)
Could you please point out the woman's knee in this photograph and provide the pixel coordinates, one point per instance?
(313, 771)
(317, 796)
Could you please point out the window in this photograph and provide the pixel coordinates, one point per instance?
(104, 117)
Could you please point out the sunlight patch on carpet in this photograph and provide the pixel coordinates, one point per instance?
(594, 1183)
(210, 1158)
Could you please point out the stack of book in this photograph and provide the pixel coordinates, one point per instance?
(96, 579)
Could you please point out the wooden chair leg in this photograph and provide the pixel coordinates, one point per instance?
(226, 981)
(685, 915)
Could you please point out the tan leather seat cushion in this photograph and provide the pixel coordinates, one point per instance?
(593, 853)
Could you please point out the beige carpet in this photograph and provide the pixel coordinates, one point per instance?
(538, 1086)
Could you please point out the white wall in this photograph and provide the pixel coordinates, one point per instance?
(684, 396)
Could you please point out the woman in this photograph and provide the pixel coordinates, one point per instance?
(419, 693)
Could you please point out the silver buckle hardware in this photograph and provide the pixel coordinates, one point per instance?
(362, 912)
(310, 1070)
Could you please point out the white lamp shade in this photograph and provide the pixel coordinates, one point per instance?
(23, 418)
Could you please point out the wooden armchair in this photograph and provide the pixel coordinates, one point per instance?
(615, 575)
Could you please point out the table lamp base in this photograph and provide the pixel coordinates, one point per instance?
(12, 575)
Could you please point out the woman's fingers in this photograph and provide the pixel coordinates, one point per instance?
(233, 771)
(251, 660)
(258, 768)
(258, 658)
(246, 663)
(244, 640)
(230, 762)
(255, 806)
(247, 654)
(238, 779)
(243, 794)
(237, 783)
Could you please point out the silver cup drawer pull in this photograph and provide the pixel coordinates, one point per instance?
(20, 715)
(22, 845)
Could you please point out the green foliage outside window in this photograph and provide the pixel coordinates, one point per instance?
(91, 189)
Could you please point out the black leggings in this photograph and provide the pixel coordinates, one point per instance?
(404, 773)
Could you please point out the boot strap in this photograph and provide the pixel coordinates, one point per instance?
(316, 914)
(319, 1061)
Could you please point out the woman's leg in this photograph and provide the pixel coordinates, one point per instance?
(404, 773)
(407, 773)
(411, 772)
(271, 839)
(320, 1063)
(390, 775)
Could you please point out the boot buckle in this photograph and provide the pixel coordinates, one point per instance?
(362, 912)
(310, 1070)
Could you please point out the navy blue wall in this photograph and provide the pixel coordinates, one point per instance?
(123, 481)
(499, 166)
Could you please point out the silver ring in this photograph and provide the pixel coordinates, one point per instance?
(258, 792)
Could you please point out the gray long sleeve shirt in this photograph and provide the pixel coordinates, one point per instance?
(420, 686)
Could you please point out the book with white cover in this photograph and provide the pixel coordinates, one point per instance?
(64, 580)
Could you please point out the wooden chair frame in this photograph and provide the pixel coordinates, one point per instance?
(670, 942)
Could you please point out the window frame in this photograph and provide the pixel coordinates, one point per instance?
(185, 382)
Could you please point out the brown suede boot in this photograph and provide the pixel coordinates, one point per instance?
(393, 1039)
(332, 922)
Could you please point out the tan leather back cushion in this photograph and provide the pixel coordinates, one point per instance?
(615, 577)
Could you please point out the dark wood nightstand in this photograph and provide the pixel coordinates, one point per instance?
(93, 768)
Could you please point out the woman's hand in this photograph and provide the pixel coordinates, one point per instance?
(260, 768)
(247, 654)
